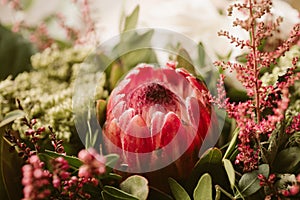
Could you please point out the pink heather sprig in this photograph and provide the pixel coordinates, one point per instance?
(250, 118)
(40, 183)
(36, 180)
(56, 143)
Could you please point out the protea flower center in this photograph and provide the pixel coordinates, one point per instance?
(150, 94)
(157, 118)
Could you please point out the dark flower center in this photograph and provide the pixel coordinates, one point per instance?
(150, 94)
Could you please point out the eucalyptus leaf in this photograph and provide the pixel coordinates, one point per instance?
(137, 186)
(249, 183)
(230, 172)
(12, 116)
(112, 193)
(178, 191)
(203, 190)
(132, 19)
(111, 159)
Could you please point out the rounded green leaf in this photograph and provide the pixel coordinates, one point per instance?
(249, 183)
(137, 186)
(203, 190)
(178, 191)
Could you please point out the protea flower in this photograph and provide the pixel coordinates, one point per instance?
(157, 118)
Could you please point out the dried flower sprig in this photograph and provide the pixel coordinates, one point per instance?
(254, 118)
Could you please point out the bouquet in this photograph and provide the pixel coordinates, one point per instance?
(142, 116)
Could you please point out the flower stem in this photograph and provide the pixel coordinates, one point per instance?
(219, 188)
(255, 63)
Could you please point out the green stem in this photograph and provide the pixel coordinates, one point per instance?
(220, 189)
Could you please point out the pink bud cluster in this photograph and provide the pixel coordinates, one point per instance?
(263, 181)
(295, 125)
(94, 164)
(253, 117)
(69, 186)
(35, 179)
(293, 189)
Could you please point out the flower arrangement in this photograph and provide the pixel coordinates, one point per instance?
(153, 119)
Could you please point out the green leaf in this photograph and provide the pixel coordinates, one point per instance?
(111, 176)
(178, 191)
(73, 161)
(116, 73)
(232, 143)
(184, 61)
(230, 172)
(132, 19)
(242, 58)
(10, 171)
(101, 111)
(15, 53)
(201, 54)
(112, 193)
(288, 160)
(211, 156)
(210, 162)
(137, 186)
(12, 116)
(203, 190)
(111, 159)
(249, 183)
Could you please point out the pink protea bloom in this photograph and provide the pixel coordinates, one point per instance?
(155, 117)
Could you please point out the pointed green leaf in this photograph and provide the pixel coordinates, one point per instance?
(203, 190)
(12, 116)
(116, 73)
(184, 61)
(249, 183)
(232, 144)
(137, 186)
(230, 172)
(178, 191)
(201, 54)
(211, 156)
(132, 19)
(101, 111)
